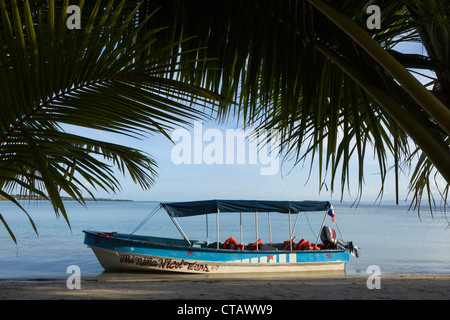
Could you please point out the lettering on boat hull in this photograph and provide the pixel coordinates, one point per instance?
(165, 263)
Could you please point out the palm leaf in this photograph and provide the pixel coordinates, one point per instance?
(107, 76)
(286, 61)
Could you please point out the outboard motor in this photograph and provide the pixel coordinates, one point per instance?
(329, 238)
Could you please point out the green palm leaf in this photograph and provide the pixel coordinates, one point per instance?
(330, 85)
(106, 76)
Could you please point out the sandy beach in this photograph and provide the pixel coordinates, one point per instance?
(134, 287)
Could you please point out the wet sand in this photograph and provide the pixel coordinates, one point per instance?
(231, 288)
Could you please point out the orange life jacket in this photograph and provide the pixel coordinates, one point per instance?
(232, 244)
(287, 244)
(300, 245)
(259, 242)
(105, 234)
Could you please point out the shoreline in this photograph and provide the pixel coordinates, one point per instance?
(232, 287)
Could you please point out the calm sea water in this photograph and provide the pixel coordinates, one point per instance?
(390, 237)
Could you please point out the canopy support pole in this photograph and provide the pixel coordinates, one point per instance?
(290, 231)
(217, 227)
(180, 230)
(207, 231)
(256, 223)
(240, 221)
(321, 227)
(295, 223)
(270, 228)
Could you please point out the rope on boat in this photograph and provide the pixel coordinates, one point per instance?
(340, 234)
(310, 228)
(314, 234)
(146, 219)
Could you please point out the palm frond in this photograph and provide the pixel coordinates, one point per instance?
(274, 59)
(107, 76)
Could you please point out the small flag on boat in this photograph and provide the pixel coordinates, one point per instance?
(331, 214)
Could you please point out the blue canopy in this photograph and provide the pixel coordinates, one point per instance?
(192, 208)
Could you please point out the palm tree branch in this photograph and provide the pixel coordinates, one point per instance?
(425, 98)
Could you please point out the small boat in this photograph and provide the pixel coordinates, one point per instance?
(130, 252)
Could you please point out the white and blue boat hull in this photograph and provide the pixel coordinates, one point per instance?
(121, 252)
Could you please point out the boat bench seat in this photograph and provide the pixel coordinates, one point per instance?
(213, 245)
(198, 244)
